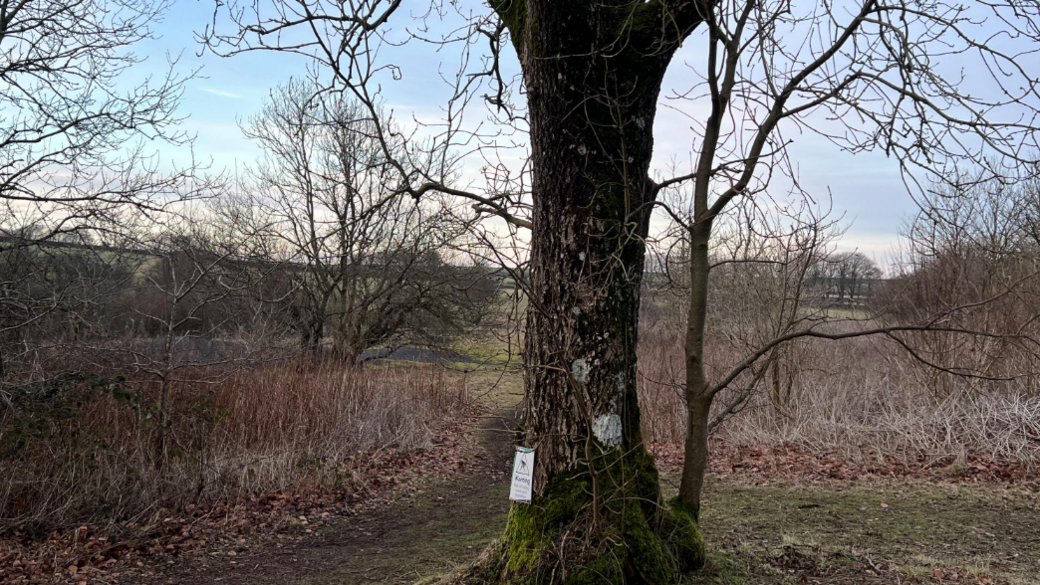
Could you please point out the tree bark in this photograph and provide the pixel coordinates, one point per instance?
(310, 337)
(593, 73)
(698, 399)
(591, 218)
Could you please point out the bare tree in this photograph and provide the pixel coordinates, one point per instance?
(593, 72)
(187, 318)
(73, 138)
(74, 149)
(58, 290)
(971, 255)
(846, 70)
(765, 261)
(847, 273)
(369, 257)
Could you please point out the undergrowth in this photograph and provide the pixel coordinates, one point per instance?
(83, 448)
(858, 398)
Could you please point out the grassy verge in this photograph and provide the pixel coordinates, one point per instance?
(870, 533)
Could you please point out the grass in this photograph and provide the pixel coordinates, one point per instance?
(498, 388)
(871, 533)
(491, 350)
(836, 313)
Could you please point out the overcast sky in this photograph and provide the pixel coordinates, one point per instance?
(866, 188)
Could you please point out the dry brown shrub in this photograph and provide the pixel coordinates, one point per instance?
(859, 397)
(279, 426)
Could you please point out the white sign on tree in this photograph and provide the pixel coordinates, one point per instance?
(523, 475)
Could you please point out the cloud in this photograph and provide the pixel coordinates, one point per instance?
(226, 94)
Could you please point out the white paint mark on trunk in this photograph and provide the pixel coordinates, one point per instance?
(607, 430)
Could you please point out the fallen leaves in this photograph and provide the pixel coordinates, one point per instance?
(797, 462)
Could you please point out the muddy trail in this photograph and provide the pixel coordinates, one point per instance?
(421, 534)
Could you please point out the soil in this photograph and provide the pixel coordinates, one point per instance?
(421, 533)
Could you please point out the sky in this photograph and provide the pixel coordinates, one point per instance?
(866, 189)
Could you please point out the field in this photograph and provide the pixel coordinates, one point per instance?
(847, 466)
(429, 508)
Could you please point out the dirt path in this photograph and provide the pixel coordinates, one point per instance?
(441, 525)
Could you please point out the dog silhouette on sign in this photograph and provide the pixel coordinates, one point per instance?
(523, 466)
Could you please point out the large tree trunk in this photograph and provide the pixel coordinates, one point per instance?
(597, 515)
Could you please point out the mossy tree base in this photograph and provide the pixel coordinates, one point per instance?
(607, 526)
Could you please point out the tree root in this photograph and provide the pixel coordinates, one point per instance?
(602, 526)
